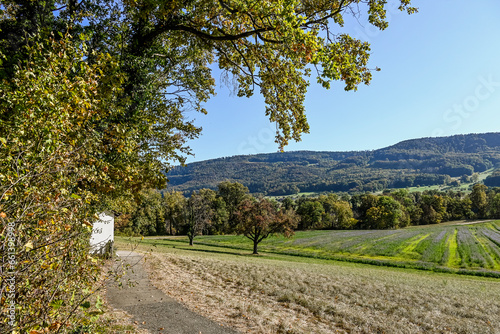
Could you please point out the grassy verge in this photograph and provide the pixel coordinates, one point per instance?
(277, 293)
(115, 322)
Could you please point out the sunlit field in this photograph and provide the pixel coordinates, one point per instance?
(278, 293)
(455, 247)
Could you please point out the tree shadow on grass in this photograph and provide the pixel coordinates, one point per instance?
(249, 254)
(180, 244)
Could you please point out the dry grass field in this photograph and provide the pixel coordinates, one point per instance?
(288, 294)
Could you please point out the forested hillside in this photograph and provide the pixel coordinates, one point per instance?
(417, 162)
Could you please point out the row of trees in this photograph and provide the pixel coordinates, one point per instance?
(399, 208)
(231, 209)
(224, 211)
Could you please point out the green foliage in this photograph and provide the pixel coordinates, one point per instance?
(429, 207)
(311, 213)
(494, 206)
(149, 216)
(174, 203)
(338, 214)
(161, 213)
(198, 214)
(387, 213)
(219, 214)
(479, 200)
(433, 209)
(362, 203)
(266, 48)
(232, 193)
(493, 180)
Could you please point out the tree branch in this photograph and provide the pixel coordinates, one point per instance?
(161, 28)
(322, 19)
(225, 37)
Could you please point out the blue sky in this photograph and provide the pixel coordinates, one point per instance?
(440, 76)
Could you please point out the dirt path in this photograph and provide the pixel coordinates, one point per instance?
(476, 222)
(151, 308)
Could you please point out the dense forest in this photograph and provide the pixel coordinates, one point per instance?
(411, 163)
(221, 211)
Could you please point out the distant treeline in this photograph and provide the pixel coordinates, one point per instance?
(216, 211)
(419, 162)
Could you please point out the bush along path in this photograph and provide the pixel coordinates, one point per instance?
(150, 307)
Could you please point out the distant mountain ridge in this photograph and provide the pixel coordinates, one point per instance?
(457, 143)
(425, 161)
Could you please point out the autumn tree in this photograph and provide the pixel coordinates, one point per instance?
(93, 104)
(52, 181)
(258, 219)
(338, 213)
(386, 214)
(198, 215)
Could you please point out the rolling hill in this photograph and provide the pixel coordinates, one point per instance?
(416, 162)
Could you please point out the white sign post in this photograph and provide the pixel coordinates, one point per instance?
(103, 234)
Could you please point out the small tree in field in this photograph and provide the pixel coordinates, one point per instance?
(198, 216)
(259, 219)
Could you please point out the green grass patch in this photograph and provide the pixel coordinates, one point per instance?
(415, 246)
(453, 259)
(464, 187)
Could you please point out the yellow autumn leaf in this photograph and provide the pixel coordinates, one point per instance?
(28, 246)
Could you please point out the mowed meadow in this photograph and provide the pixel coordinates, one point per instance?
(462, 247)
(276, 292)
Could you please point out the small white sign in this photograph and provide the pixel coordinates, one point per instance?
(103, 232)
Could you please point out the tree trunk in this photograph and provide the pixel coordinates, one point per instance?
(255, 243)
(190, 235)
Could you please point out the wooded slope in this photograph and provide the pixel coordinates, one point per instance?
(416, 162)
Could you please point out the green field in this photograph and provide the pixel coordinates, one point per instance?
(278, 293)
(453, 247)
